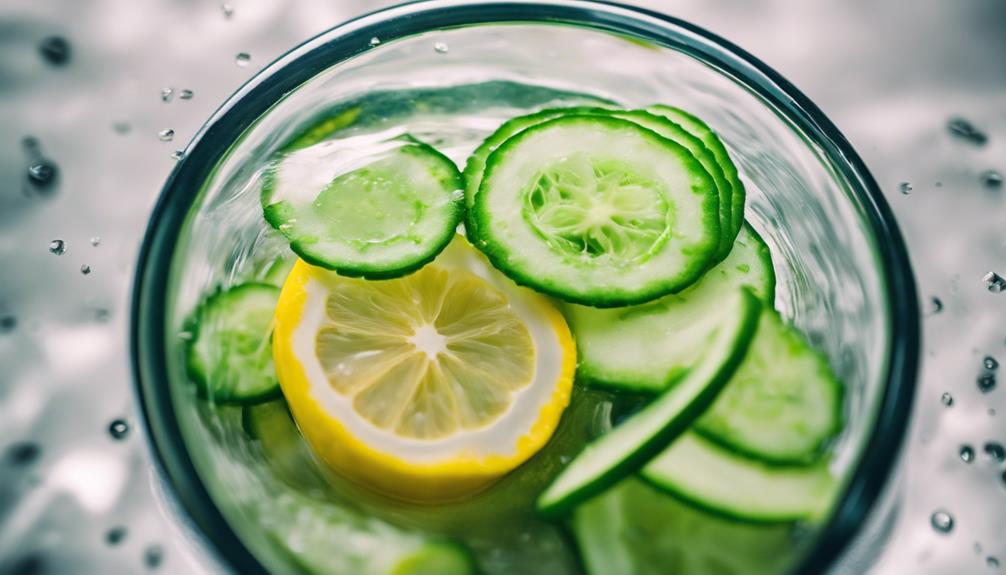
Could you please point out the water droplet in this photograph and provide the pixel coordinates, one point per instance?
(986, 382)
(942, 521)
(967, 453)
(947, 399)
(24, 453)
(8, 323)
(227, 9)
(990, 363)
(30, 143)
(153, 556)
(991, 179)
(935, 304)
(122, 127)
(96, 241)
(167, 94)
(965, 130)
(375, 41)
(57, 247)
(441, 48)
(85, 269)
(178, 155)
(115, 535)
(905, 187)
(994, 282)
(242, 59)
(42, 173)
(995, 451)
(118, 429)
(992, 562)
(55, 50)
(186, 94)
(166, 135)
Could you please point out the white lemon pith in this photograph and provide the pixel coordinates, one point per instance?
(428, 386)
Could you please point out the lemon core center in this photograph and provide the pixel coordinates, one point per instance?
(428, 340)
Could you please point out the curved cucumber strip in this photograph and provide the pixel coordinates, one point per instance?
(596, 210)
(784, 403)
(365, 208)
(230, 354)
(643, 348)
(277, 271)
(629, 446)
(715, 479)
(715, 145)
(659, 124)
(635, 529)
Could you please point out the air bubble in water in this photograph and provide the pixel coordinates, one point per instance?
(122, 127)
(115, 535)
(167, 94)
(178, 155)
(375, 41)
(965, 130)
(441, 48)
(992, 562)
(995, 451)
(166, 135)
(57, 247)
(905, 187)
(118, 429)
(227, 9)
(942, 521)
(153, 556)
(991, 179)
(947, 399)
(242, 59)
(42, 173)
(994, 282)
(986, 382)
(186, 94)
(96, 241)
(85, 269)
(967, 453)
(936, 304)
(55, 50)
(990, 363)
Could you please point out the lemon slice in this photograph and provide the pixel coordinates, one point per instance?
(426, 387)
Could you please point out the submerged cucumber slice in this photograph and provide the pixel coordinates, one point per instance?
(230, 353)
(715, 479)
(596, 210)
(784, 403)
(715, 145)
(365, 208)
(645, 347)
(629, 446)
(636, 529)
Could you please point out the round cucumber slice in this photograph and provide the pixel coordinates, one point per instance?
(635, 529)
(702, 130)
(629, 446)
(710, 477)
(596, 210)
(365, 208)
(783, 404)
(230, 353)
(644, 348)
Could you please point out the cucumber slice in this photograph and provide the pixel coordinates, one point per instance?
(230, 353)
(596, 210)
(783, 404)
(710, 477)
(629, 446)
(283, 448)
(635, 529)
(277, 271)
(365, 208)
(659, 124)
(643, 348)
(702, 130)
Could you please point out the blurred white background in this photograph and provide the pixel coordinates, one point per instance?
(74, 499)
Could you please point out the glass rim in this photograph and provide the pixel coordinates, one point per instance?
(337, 44)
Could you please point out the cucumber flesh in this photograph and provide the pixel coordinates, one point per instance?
(277, 271)
(708, 476)
(629, 446)
(643, 348)
(712, 141)
(636, 529)
(362, 207)
(784, 403)
(283, 448)
(596, 210)
(230, 354)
